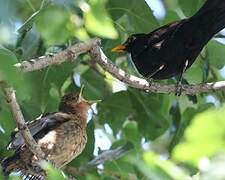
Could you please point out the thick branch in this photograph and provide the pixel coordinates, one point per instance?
(19, 120)
(55, 59)
(97, 54)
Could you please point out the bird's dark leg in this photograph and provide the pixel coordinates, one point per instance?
(179, 85)
(149, 77)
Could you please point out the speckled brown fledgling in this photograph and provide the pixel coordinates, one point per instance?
(61, 135)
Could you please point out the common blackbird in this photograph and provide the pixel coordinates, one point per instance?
(61, 135)
(171, 49)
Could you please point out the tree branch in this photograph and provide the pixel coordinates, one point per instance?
(93, 46)
(111, 174)
(10, 96)
(76, 171)
(108, 155)
(210, 67)
(97, 54)
(56, 59)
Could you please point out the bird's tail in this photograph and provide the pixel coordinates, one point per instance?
(21, 162)
(211, 16)
(10, 164)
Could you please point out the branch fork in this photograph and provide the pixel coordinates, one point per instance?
(93, 47)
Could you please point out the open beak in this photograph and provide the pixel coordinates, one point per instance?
(80, 98)
(119, 48)
(92, 102)
(80, 93)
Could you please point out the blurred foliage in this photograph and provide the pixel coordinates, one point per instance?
(173, 137)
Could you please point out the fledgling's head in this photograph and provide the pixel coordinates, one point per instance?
(74, 103)
(131, 40)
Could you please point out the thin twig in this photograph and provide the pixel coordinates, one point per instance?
(76, 171)
(219, 36)
(10, 96)
(210, 67)
(56, 59)
(93, 65)
(111, 174)
(108, 156)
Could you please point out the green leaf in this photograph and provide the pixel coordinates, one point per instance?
(170, 17)
(132, 134)
(54, 26)
(94, 85)
(30, 44)
(190, 7)
(14, 177)
(52, 172)
(47, 79)
(98, 21)
(151, 111)
(7, 123)
(195, 73)
(114, 110)
(140, 15)
(185, 121)
(9, 72)
(163, 170)
(29, 22)
(216, 54)
(120, 167)
(204, 137)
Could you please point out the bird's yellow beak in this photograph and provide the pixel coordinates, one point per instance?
(119, 48)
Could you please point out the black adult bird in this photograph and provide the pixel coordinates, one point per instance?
(171, 49)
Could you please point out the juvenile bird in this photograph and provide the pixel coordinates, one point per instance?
(171, 49)
(61, 135)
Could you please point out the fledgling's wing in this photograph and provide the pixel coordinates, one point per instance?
(45, 121)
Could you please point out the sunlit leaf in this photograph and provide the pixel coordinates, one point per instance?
(216, 53)
(98, 21)
(138, 12)
(190, 7)
(8, 71)
(52, 25)
(204, 137)
(164, 169)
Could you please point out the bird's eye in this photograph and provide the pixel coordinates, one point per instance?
(132, 38)
(74, 98)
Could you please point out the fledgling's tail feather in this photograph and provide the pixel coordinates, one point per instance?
(21, 162)
(10, 164)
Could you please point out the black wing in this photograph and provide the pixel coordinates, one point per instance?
(35, 126)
